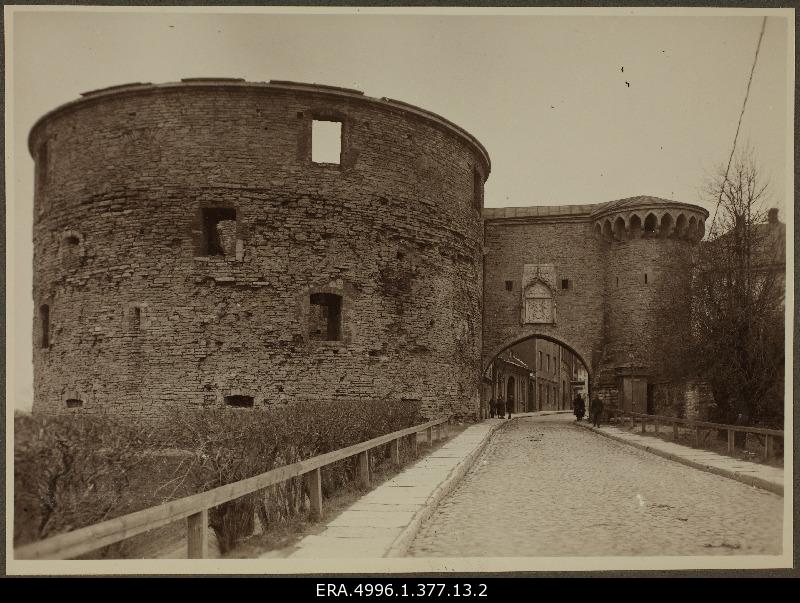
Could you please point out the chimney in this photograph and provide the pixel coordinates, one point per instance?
(773, 217)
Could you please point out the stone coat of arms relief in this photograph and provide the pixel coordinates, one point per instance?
(538, 285)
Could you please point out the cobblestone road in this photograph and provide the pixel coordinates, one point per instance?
(544, 487)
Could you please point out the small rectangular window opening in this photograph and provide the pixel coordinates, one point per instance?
(645, 278)
(477, 185)
(326, 141)
(239, 401)
(74, 403)
(509, 285)
(212, 216)
(325, 317)
(137, 318)
(566, 283)
(44, 319)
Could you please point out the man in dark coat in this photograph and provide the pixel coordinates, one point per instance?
(579, 407)
(492, 408)
(596, 411)
(501, 407)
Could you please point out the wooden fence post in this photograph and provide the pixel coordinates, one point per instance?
(412, 443)
(674, 432)
(197, 535)
(314, 479)
(767, 447)
(363, 468)
(655, 424)
(644, 425)
(395, 446)
(697, 437)
(430, 435)
(731, 444)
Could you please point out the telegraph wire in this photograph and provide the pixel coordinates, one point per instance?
(738, 126)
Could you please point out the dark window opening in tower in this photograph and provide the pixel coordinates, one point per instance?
(44, 320)
(74, 403)
(239, 401)
(325, 320)
(70, 251)
(137, 318)
(645, 278)
(566, 284)
(477, 189)
(213, 241)
(509, 285)
(326, 141)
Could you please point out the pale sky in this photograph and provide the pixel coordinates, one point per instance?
(546, 95)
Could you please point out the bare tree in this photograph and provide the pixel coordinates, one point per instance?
(737, 328)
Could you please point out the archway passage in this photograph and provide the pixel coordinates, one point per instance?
(534, 374)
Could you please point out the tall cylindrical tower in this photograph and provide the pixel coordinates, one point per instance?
(647, 245)
(215, 242)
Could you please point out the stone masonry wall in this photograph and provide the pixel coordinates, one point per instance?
(570, 246)
(141, 318)
(646, 280)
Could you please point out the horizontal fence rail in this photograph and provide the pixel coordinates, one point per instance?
(195, 508)
(658, 420)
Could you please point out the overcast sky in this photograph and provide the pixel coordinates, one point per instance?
(546, 95)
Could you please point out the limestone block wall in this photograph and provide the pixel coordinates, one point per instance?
(140, 315)
(565, 242)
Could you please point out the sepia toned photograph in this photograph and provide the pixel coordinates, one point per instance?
(302, 290)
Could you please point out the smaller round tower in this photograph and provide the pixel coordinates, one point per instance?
(647, 246)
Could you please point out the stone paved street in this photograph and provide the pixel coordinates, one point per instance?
(544, 487)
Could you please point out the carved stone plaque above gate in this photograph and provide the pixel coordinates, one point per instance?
(538, 301)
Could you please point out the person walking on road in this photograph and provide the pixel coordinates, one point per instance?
(596, 411)
(492, 408)
(579, 407)
(508, 408)
(501, 408)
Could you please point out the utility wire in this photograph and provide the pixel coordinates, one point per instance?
(738, 126)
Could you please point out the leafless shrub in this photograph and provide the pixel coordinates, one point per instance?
(72, 471)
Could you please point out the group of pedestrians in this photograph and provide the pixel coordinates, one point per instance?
(595, 409)
(498, 408)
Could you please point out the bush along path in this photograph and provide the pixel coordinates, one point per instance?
(77, 470)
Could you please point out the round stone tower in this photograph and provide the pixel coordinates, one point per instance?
(213, 242)
(647, 246)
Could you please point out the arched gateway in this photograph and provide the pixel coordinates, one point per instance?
(608, 281)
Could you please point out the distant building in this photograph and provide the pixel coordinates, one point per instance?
(511, 379)
(551, 368)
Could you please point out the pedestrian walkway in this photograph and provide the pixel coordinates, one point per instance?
(383, 522)
(754, 474)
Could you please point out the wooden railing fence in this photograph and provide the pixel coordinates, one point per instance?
(195, 508)
(699, 426)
